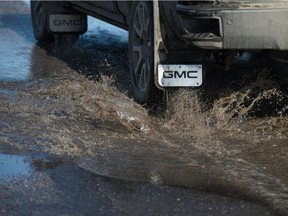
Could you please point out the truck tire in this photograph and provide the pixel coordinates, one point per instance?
(39, 21)
(141, 52)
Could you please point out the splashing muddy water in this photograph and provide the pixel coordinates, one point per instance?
(244, 131)
(107, 133)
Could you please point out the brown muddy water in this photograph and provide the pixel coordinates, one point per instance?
(230, 137)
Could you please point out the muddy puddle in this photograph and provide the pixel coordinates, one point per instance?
(224, 147)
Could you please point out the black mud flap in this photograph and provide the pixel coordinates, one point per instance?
(67, 23)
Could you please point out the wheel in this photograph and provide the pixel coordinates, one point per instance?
(141, 52)
(40, 20)
(40, 11)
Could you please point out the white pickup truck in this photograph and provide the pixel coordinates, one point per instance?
(169, 40)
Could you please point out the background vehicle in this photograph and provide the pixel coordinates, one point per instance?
(169, 41)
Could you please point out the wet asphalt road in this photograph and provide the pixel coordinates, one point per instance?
(73, 143)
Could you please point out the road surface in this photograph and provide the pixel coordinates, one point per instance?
(73, 142)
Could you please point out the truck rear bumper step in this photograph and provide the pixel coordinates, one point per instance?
(240, 26)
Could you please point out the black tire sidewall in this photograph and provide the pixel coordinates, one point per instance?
(148, 95)
(41, 34)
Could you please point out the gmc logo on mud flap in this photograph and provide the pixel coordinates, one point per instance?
(75, 22)
(177, 74)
